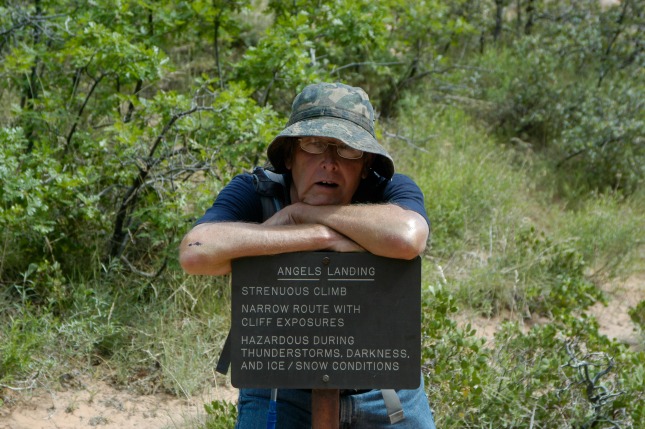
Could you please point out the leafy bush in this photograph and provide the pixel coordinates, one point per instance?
(560, 374)
(600, 145)
(45, 213)
(221, 415)
(573, 92)
(556, 275)
(454, 360)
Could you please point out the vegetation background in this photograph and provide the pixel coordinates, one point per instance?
(522, 121)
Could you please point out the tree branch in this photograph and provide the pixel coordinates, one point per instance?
(129, 201)
(80, 111)
(367, 63)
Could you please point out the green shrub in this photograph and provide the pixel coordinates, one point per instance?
(590, 133)
(454, 360)
(562, 374)
(554, 273)
(221, 415)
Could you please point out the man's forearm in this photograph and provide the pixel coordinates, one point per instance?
(208, 249)
(382, 229)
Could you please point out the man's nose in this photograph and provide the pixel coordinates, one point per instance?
(330, 155)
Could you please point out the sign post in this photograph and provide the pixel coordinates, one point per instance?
(326, 321)
(325, 408)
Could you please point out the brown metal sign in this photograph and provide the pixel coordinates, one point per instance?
(326, 320)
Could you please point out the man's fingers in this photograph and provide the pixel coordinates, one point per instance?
(282, 217)
(344, 244)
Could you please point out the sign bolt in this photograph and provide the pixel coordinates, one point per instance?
(326, 260)
(325, 378)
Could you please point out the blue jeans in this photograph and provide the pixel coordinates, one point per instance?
(359, 411)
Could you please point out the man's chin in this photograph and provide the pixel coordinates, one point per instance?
(323, 201)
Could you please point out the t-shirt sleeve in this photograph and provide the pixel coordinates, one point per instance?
(404, 192)
(237, 202)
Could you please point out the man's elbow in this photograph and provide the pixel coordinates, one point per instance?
(189, 258)
(197, 257)
(413, 242)
(199, 264)
(190, 262)
(410, 249)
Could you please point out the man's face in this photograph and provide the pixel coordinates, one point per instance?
(325, 178)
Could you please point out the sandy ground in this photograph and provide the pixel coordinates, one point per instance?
(87, 403)
(94, 403)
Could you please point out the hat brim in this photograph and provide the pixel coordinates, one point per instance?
(346, 131)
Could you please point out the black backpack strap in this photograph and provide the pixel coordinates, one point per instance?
(224, 360)
(273, 190)
(274, 196)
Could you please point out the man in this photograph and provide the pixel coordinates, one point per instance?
(342, 195)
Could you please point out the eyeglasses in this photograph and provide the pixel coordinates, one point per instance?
(316, 147)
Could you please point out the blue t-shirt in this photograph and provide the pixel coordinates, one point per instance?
(239, 202)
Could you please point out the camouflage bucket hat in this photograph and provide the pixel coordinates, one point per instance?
(332, 110)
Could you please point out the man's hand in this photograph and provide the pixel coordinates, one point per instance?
(341, 243)
(282, 217)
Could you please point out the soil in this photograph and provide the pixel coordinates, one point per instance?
(86, 403)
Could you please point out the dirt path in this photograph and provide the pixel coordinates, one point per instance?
(614, 318)
(94, 403)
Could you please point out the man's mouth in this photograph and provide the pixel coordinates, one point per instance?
(327, 184)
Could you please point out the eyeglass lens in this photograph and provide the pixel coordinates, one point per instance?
(317, 147)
